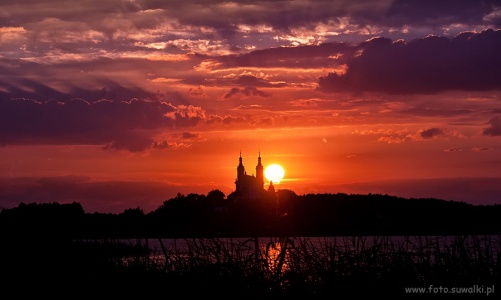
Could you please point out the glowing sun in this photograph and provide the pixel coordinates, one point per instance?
(274, 173)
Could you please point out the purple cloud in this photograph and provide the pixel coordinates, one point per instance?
(494, 128)
(436, 112)
(307, 56)
(247, 91)
(432, 132)
(127, 125)
(470, 61)
(189, 135)
(252, 81)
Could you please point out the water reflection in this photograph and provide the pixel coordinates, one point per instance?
(316, 263)
(276, 256)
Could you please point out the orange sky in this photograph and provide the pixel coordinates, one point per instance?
(120, 106)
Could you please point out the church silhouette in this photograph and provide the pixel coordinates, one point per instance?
(250, 186)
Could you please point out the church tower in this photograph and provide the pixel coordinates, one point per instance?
(240, 168)
(249, 186)
(259, 173)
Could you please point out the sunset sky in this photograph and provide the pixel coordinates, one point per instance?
(124, 104)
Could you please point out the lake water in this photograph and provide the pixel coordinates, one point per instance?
(279, 254)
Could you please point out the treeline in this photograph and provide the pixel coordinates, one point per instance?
(281, 214)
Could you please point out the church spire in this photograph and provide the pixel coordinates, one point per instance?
(260, 172)
(240, 168)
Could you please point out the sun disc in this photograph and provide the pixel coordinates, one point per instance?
(274, 173)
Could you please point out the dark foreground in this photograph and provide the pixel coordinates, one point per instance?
(280, 268)
(58, 250)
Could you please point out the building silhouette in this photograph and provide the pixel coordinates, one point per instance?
(251, 187)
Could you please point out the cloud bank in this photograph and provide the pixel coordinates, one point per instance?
(128, 125)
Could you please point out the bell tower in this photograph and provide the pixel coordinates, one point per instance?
(259, 173)
(240, 168)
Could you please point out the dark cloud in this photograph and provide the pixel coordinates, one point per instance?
(279, 14)
(133, 143)
(470, 61)
(251, 81)
(310, 56)
(252, 91)
(436, 112)
(494, 128)
(432, 132)
(127, 125)
(285, 16)
(64, 48)
(17, 85)
(226, 120)
(306, 102)
(91, 24)
(101, 196)
(189, 135)
(439, 12)
(197, 92)
(234, 91)
(478, 149)
(247, 91)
